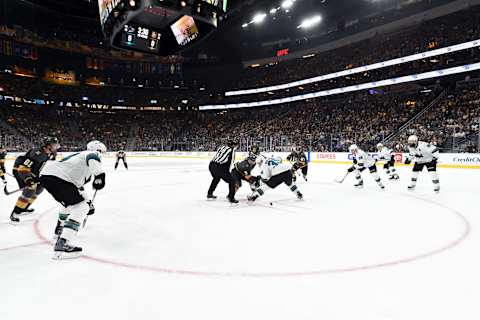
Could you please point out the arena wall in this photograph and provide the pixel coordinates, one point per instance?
(447, 160)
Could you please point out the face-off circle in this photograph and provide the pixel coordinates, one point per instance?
(458, 236)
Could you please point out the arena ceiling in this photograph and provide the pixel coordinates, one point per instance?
(232, 39)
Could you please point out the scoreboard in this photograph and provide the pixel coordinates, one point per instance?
(142, 38)
(159, 27)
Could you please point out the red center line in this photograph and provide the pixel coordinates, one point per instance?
(23, 246)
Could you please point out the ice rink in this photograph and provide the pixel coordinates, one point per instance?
(157, 249)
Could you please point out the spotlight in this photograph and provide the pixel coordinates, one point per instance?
(287, 4)
(310, 22)
(259, 17)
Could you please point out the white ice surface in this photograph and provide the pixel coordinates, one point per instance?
(157, 249)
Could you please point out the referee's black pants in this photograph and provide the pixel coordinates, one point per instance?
(220, 172)
(124, 163)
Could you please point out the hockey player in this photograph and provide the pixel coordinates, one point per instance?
(219, 168)
(422, 154)
(26, 171)
(64, 180)
(121, 155)
(3, 155)
(300, 162)
(243, 171)
(254, 151)
(362, 161)
(388, 156)
(273, 173)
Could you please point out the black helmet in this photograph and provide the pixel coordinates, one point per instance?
(49, 140)
(255, 150)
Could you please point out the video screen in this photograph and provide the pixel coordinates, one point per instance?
(105, 7)
(141, 38)
(185, 30)
(218, 3)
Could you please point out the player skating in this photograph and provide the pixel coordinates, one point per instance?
(64, 180)
(243, 171)
(362, 161)
(26, 171)
(300, 162)
(422, 154)
(3, 155)
(386, 154)
(121, 155)
(272, 174)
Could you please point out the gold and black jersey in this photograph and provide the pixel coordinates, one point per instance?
(31, 162)
(244, 167)
(298, 157)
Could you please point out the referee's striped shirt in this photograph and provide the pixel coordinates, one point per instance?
(224, 155)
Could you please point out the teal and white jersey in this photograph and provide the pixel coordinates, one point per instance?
(385, 153)
(273, 166)
(423, 153)
(77, 168)
(364, 160)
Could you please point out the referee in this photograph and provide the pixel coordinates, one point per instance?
(220, 169)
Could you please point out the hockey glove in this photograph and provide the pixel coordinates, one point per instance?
(92, 208)
(351, 169)
(99, 182)
(29, 181)
(257, 181)
(408, 161)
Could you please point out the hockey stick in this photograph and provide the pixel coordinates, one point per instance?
(342, 179)
(5, 190)
(86, 218)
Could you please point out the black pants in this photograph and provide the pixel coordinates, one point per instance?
(284, 177)
(389, 164)
(220, 172)
(237, 177)
(431, 166)
(124, 163)
(372, 169)
(63, 191)
(20, 177)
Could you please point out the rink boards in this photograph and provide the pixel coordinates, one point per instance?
(447, 160)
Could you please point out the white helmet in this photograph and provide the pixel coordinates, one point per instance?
(379, 146)
(96, 145)
(413, 139)
(352, 148)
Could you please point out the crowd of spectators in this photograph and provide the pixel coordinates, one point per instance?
(453, 124)
(441, 32)
(318, 125)
(324, 124)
